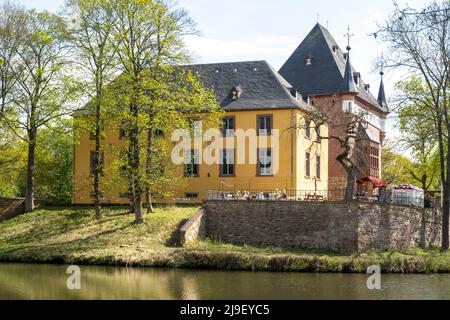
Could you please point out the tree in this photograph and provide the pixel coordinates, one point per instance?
(12, 163)
(350, 134)
(91, 36)
(12, 22)
(396, 167)
(419, 43)
(53, 170)
(417, 125)
(153, 93)
(44, 91)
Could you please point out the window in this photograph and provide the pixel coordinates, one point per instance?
(318, 134)
(191, 166)
(335, 48)
(125, 195)
(235, 92)
(308, 165)
(228, 126)
(227, 163)
(93, 165)
(191, 195)
(374, 154)
(308, 129)
(265, 123)
(309, 60)
(348, 106)
(265, 162)
(318, 167)
(158, 133)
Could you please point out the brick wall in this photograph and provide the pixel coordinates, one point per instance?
(344, 227)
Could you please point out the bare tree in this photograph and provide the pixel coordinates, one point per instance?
(419, 43)
(350, 134)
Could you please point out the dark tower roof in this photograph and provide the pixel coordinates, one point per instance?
(348, 85)
(327, 70)
(381, 94)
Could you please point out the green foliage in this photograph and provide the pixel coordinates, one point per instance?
(53, 169)
(417, 126)
(12, 161)
(395, 167)
(54, 164)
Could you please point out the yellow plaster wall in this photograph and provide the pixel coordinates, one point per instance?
(209, 179)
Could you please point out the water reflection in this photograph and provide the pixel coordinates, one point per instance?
(21, 281)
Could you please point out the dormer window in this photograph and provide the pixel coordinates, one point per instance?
(356, 78)
(235, 93)
(335, 49)
(367, 87)
(308, 60)
(296, 94)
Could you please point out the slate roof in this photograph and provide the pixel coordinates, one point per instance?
(327, 72)
(348, 84)
(381, 94)
(260, 85)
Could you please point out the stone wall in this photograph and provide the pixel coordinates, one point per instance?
(11, 208)
(388, 227)
(339, 226)
(194, 229)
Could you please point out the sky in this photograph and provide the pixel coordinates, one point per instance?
(240, 30)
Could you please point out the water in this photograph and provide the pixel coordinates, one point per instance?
(21, 281)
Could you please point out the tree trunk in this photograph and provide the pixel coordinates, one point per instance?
(446, 206)
(135, 165)
(148, 192)
(97, 164)
(148, 200)
(349, 189)
(29, 194)
(445, 218)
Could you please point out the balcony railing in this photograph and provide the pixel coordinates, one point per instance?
(385, 196)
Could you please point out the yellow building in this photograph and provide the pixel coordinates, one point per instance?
(285, 157)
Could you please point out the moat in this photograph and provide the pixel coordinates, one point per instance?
(23, 281)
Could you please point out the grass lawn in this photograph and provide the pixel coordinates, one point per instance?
(72, 235)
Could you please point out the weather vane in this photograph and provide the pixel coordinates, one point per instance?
(348, 35)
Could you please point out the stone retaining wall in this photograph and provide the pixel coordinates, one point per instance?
(194, 229)
(339, 226)
(11, 208)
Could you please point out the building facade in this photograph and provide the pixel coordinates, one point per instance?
(323, 73)
(255, 98)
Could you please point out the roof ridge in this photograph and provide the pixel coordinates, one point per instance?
(279, 79)
(222, 63)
